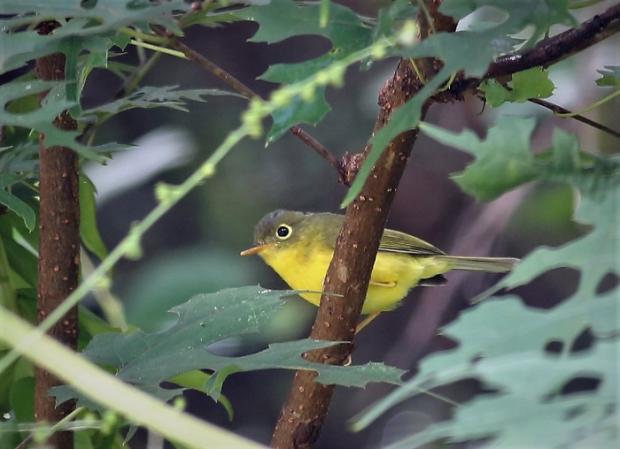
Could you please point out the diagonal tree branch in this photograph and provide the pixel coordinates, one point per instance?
(549, 51)
(580, 118)
(561, 46)
(348, 275)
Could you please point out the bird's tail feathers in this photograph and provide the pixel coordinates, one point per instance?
(488, 264)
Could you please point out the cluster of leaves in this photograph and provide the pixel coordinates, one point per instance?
(503, 343)
(91, 34)
(146, 360)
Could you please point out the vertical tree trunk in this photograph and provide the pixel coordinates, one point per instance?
(59, 245)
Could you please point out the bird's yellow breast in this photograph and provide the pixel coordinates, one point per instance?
(303, 267)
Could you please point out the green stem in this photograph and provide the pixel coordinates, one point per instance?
(594, 105)
(133, 82)
(104, 388)
(143, 36)
(127, 246)
(159, 49)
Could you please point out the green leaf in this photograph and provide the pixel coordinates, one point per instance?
(388, 17)
(594, 254)
(494, 93)
(206, 17)
(22, 262)
(87, 22)
(147, 359)
(156, 97)
(610, 76)
(198, 380)
(541, 15)
(531, 83)
(22, 399)
(42, 118)
(503, 158)
(89, 231)
(344, 29)
(298, 111)
(503, 343)
(21, 208)
(163, 282)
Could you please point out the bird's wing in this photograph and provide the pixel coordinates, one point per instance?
(400, 242)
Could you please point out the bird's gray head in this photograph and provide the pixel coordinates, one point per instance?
(278, 226)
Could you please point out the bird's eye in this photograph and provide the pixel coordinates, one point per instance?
(283, 232)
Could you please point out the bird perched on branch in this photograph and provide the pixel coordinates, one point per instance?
(299, 247)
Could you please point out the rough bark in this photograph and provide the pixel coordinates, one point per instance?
(59, 245)
(348, 275)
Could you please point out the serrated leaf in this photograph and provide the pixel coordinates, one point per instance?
(610, 76)
(504, 343)
(595, 254)
(528, 408)
(42, 118)
(85, 21)
(147, 359)
(503, 158)
(156, 97)
(344, 29)
(531, 83)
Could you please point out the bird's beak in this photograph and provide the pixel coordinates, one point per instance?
(256, 249)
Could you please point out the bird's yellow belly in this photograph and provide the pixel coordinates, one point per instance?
(392, 277)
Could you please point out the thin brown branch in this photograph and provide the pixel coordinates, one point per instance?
(549, 51)
(248, 93)
(304, 412)
(560, 110)
(59, 243)
(554, 49)
(321, 150)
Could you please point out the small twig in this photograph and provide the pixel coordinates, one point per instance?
(554, 49)
(592, 106)
(248, 93)
(213, 68)
(560, 110)
(321, 150)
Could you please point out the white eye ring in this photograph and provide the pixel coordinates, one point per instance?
(283, 231)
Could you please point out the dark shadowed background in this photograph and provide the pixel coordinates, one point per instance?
(195, 248)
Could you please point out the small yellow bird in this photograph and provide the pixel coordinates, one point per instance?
(299, 247)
